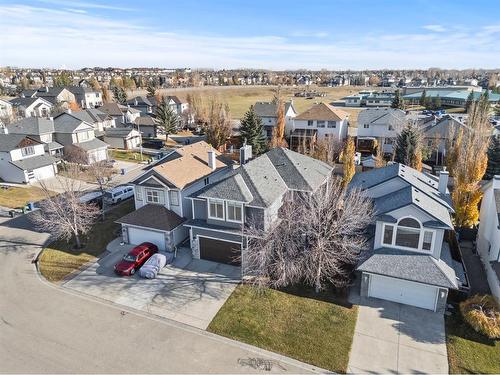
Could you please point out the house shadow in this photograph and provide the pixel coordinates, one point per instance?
(329, 294)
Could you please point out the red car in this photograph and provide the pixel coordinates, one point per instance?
(135, 259)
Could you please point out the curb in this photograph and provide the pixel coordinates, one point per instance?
(125, 309)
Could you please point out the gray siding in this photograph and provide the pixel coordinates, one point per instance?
(216, 234)
(200, 209)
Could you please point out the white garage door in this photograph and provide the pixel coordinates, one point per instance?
(44, 172)
(137, 236)
(402, 291)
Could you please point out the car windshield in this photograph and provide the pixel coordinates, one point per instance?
(107, 194)
(129, 258)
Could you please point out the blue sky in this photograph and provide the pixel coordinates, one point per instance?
(277, 34)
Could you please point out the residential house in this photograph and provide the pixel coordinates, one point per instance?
(488, 236)
(250, 195)
(379, 126)
(142, 104)
(147, 126)
(267, 111)
(41, 129)
(31, 107)
(319, 122)
(410, 259)
(98, 119)
(162, 195)
(55, 95)
(121, 113)
(78, 138)
(86, 97)
(23, 159)
(122, 138)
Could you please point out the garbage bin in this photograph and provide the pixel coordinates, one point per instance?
(123, 171)
(11, 213)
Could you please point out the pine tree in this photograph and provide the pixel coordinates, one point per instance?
(119, 95)
(470, 100)
(167, 118)
(397, 102)
(422, 98)
(151, 90)
(493, 168)
(253, 131)
(408, 148)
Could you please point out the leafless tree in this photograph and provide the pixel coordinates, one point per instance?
(317, 239)
(64, 216)
(101, 173)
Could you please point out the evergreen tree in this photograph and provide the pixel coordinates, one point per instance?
(437, 102)
(470, 100)
(408, 148)
(253, 131)
(493, 168)
(422, 98)
(167, 118)
(119, 95)
(397, 102)
(151, 90)
(428, 103)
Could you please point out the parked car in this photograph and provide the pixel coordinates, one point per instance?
(118, 194)
(152, 143)
(135, 259)
(152, 267)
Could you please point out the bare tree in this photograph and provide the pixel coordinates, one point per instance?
(64, 216)
(317, 239)
(101, 173)
(219, 126)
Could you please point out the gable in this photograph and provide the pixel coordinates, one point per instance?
(27, 142)
(152, 178)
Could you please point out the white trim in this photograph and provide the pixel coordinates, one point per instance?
(154, 178)
(215, 230)
(420, 238)
(223, 209)
(237, 204)
(149, 229)
(218, 239)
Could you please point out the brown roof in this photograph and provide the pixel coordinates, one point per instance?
(189, 164)
(153, 216)
(322, 111)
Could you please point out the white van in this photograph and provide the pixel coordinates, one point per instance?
(118, 194)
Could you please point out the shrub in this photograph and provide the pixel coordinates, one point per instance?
(483, 315)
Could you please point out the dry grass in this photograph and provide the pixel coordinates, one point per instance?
(483, 315)
(131, 156)
(15, 197)
(240, 98)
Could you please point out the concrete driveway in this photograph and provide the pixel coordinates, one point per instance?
(398, 339)
(189, 291)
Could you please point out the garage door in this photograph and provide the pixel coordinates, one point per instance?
(220, 251)
(402, 291)
(137, 236)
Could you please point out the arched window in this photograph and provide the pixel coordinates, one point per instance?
(408, 233)
(409, 222)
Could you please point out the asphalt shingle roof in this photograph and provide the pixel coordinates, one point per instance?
(153, 216)
(93, 144)
(32, 126)
(34, 162)
(9, 142)
(322, 111)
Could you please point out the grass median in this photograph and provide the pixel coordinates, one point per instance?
(16, 197)
(313, 328)
(60, 258)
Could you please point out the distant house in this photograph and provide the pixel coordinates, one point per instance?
(147, 126)
(488, 236)
(142, 104)
(31, 107)
(449, 96)
(121, 113)
(122, 138)
(99, 119)
(55, 95)
(410, 259)
(267, 111)
(23, 159)
(86, 97)
(319, 122)
(379, 126)
(78, 138)
(41, 129)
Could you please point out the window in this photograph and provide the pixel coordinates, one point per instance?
(206, 181)
(321, 124)
(408, 233)
(174, 197)
(388, 232)
(332, 124)
(152, 196)
(234, 212)
(138, 193)
(427, 242)
(84, 136)
(26, 151)
(310, 122)
(216, 210)
(366, 126)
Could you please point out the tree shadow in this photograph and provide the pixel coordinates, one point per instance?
(457, 327)
(338, 296)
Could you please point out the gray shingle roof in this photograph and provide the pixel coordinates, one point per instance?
(32, 126)
(34, 162)
(26, 102)
(9, 142)
(265, 109)
(140, 100)
(389, 116)
(54, 146)
(93, 144)
(231, 188)
(412, 266)
(118, 132)
(68, 122)
(496, 193)
(153, 216)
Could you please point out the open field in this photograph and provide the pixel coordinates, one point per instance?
(313, 328)
(240, 98)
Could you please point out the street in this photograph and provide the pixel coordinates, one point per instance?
(44, 329)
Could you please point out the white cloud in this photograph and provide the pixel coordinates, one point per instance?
(39, 36)
(435, 28)
(86, 4)
(309, 34)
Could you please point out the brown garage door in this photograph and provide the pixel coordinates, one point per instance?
(220, 251)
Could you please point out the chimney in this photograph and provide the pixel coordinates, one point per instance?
(4, 130)
(211, 159)
(69, 111)
(245, 153)
(443, 181)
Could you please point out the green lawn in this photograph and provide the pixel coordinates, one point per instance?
(15, 197)
(317, 331)
(60, 258)
(132, 156)
(468, 351)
